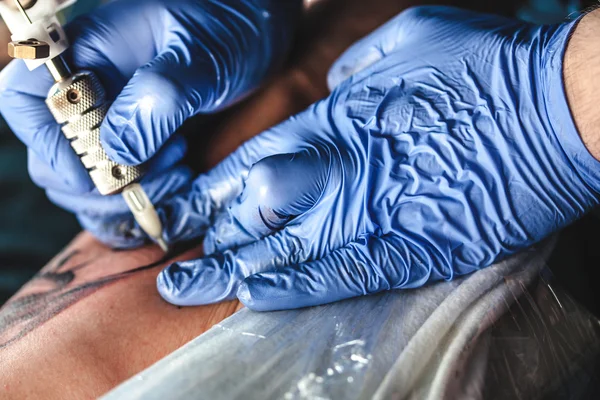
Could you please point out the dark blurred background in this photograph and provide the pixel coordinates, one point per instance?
(32, 230)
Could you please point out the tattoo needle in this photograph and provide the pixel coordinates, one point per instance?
(144, 212)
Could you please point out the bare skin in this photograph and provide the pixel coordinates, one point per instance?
(112, 323)
(581, 69)
(96, 320)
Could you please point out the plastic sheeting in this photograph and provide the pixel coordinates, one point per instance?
(504, 332)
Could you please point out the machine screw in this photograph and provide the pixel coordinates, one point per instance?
(117, 172)
(29, 49)
(73, 96)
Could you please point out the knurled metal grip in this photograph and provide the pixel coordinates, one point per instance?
(80, 104)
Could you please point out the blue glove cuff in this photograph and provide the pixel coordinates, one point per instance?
(559, 113)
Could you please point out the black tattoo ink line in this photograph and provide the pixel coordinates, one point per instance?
(23, 314)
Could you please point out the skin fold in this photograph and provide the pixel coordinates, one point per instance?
(92, 317)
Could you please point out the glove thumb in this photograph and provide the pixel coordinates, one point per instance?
(279, 188)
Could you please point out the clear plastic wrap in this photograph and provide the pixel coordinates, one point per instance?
(504, 332)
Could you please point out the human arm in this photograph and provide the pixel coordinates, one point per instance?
(452, 147)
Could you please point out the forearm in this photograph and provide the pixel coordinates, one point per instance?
(580, 74)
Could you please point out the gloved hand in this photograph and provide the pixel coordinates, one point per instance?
(162, 61)
(450, 146)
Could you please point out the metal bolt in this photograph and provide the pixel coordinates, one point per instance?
(73, 96)
(117, 172)
(29, 49)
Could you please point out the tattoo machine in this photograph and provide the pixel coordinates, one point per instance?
(78, 102)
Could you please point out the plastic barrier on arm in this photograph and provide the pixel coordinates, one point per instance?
(503, 332)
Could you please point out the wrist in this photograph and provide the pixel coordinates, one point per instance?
(581, 69)
(562, 114)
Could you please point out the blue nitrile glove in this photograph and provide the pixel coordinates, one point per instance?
(450, 147)
(162, 61)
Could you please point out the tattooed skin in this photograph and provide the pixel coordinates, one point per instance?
(51, 291)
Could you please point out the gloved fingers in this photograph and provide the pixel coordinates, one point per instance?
(51, 150)
(187, 215)
(171, 154)
(19, 83)
(102, 42)
(93, 49)
(75, 179)
(279, 188)
(22, 103)
(216, 278)
(149, 88)
(156, 101)
(359, 268)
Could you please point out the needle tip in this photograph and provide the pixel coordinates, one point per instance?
(163, 245)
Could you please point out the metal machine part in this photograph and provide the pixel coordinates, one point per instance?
(28, 49)
(78, 102)
(37, 19)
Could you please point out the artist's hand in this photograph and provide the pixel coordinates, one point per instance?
(162, 61)
(449, 147)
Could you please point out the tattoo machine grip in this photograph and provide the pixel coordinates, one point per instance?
(79, 104)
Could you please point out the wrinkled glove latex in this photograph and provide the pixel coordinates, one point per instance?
(450, 146)
(162, 61)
